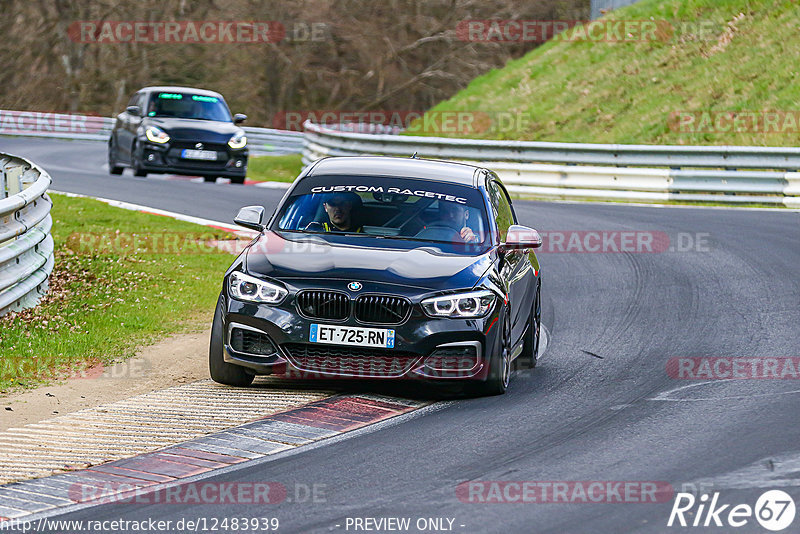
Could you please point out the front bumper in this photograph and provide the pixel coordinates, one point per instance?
(439, 349)
(166, 158)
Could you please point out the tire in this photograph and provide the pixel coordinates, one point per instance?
(113, 168)
(239, 180)
(137, 167)
(530, 347)
(500, 365)
(210, 179)
(222, 371)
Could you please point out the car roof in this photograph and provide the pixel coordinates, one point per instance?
(179, 89)
(442, 171)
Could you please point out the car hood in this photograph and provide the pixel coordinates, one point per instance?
(308, 258)
(195, 130)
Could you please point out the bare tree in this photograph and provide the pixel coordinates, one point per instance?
(364, 55)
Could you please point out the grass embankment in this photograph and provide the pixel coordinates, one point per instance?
(711, 56)
(122, 279)
(274, 168)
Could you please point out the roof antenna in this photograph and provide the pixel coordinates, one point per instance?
(414, 155)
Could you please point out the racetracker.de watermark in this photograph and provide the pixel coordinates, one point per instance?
(726, 122)
(565, 491)
(553, 241)
(198, 493)
(456, 122)
(622, 241)
(595, 31)
(12, 368)
(32, 122)
(195, 32)
(603, 241)
(733, 368)
(539, 31)
(123, 243)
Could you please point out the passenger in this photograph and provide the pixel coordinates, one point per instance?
(342, 210)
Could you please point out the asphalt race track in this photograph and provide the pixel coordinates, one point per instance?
(601, 406)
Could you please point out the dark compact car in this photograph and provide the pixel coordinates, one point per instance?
(379, 267)
(179, 130)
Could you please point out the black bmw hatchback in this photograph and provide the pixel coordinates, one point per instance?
(179, 130)
(379, 267)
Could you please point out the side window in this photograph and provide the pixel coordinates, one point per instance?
(501, 206)
(143, 104)
(134, 101)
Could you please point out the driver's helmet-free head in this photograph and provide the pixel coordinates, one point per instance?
(452, 214)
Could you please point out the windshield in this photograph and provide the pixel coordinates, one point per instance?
(188, 106)
(391, 208)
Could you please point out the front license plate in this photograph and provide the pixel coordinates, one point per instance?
(351, 335)
(188, 153)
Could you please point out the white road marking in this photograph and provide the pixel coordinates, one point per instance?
(177, 216)
(666, 396)
(772, 472)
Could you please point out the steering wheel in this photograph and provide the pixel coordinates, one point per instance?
(440, 232)
(314, 226)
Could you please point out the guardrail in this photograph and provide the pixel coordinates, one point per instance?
(26, 246)
(652, 173)
(261, 141)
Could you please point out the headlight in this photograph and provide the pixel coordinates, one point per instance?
(156, 135)
(238, 140)
(462, 305)
(251, 289)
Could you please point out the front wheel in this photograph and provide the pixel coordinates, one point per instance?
(113, 168)
(222, 371)
(500, 364)
(530, 347)
(137, 166)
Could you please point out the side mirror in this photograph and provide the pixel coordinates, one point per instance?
(521, 238)
(250, 217)
(239, 118)
(136, 111)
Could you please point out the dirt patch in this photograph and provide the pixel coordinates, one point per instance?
(727, 36)
(176, 360)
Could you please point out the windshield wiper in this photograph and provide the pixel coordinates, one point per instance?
(307, 232)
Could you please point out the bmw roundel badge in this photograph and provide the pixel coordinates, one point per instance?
(354, 286)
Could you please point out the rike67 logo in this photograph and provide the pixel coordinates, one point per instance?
(774, 510)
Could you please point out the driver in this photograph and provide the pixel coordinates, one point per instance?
(455, 216)
(340, 208)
